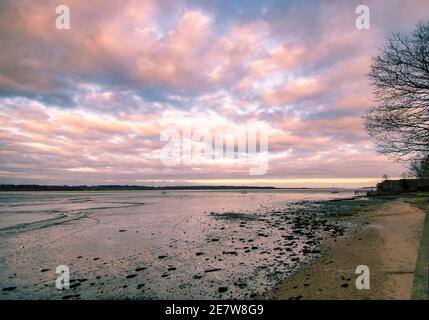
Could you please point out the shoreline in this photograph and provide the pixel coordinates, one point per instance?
(384, 236)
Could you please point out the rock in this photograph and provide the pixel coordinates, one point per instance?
(212, 270)
(131, 276)
(140, 269)
(9, 289)
(241, 285)
(222, 289)
(234, 253)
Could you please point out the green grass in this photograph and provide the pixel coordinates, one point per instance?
(421, 281)
(345, 208)
(420, 200)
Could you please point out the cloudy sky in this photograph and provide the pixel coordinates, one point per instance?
(88, 105)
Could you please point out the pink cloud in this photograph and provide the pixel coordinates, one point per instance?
(293, 91)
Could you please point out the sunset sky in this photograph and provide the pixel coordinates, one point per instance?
(87, 105)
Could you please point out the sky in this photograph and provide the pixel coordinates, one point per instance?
(88, 105)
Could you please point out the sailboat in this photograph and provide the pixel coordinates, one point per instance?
(334, 190)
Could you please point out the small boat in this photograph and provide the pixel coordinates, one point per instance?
(334, 190)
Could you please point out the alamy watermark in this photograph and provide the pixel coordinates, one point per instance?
(63, 280)
(193, 146)
(362, 281)
(362, 21)
(62, 22)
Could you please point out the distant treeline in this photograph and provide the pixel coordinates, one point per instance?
(36, 187)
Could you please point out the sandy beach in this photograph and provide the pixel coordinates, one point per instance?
(385, 238)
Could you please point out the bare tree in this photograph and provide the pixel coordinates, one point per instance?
(420, 169)
(399, 121)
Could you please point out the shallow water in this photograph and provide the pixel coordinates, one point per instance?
(184, 244)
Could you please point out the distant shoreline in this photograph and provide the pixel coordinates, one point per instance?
(29, 187)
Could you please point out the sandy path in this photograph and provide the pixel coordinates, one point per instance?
(386, 240)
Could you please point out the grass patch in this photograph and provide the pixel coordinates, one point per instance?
(235, 216)
(347, 207)
(420, 200)
(421, 281)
